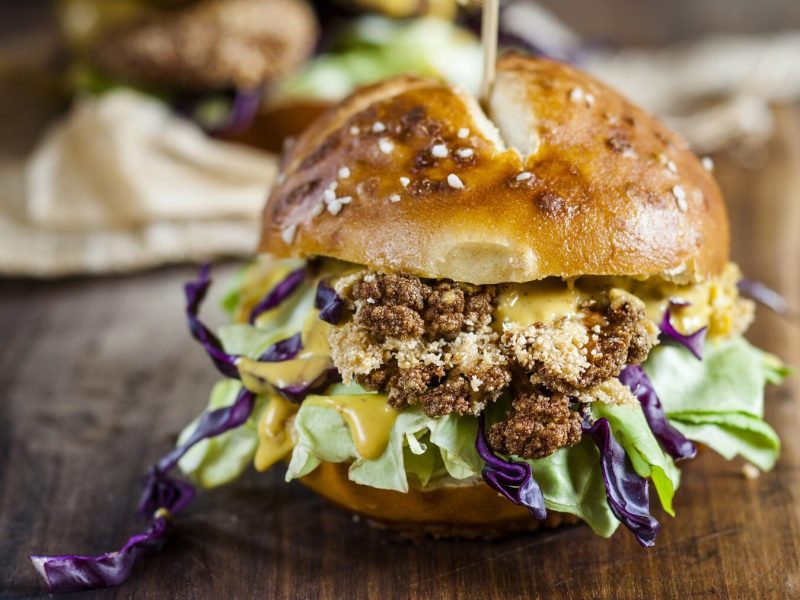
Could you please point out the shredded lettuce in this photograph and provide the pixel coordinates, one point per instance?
(730, 434)
(233, 294)
(719, 401)
(570, 479)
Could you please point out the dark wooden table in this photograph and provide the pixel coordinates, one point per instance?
(98, 376)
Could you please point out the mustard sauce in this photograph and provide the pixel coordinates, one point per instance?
(537, 302)
(311, 362)
(686, 319)
(259, 280)
(315, 336)
(692, 306)
(274, 438)
(369, 417)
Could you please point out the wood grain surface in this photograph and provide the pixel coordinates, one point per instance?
(98, 376)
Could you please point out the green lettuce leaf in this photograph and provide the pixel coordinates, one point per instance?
(240, 338)
(233, 294)
(719, 401)
(417, 444)
(571, 482)
(375, 47)
(731, 434)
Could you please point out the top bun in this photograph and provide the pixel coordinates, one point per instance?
(563, 177)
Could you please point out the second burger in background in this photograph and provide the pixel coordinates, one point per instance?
(209, 58)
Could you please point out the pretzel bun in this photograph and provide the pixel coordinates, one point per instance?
(453, 509)
(561, 177)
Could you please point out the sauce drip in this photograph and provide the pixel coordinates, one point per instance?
(369, 417)
(274, 438)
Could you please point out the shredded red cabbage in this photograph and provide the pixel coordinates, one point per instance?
(513, 479)
(673, 441)
(82, 573)
(243, 111)
(626, 490)
(162, 491)
(330, 305)
(755, 290)
(694, 341)
(163, 495)
(283, 350)
(211, 425)
(279, 293)
(195, 294)
(297, 392)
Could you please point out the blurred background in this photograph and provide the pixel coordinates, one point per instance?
(137, 133)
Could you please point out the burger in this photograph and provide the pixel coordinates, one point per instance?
(469, 320)
(535, 293)
(209, 59)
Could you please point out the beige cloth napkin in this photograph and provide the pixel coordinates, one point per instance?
(122, 183)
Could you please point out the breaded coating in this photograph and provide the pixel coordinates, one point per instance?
(537, 426)
(571, 355)
(391, 290)
(611, 391)
(426, 344)
(451, 396)
(398, 322)
(432, 345)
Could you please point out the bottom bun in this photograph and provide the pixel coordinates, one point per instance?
(452, 509)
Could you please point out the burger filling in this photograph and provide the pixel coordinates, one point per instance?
(552, 347)
(419, 382)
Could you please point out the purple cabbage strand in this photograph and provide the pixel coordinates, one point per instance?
(279, 293)
(159, 490)
(513, 479)
(330, 305)
(195, 294)
(211, 425)
(81, 573)
(761, 293)
(694, 341)
(677, 445)
(285, 349)
(297, 392)
(243, 111)
(161, 498)
(626, 490)
(164, 496)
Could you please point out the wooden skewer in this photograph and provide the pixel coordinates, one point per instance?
(490, 19)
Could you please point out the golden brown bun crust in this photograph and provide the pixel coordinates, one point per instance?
(467, 510)
(612, 191)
